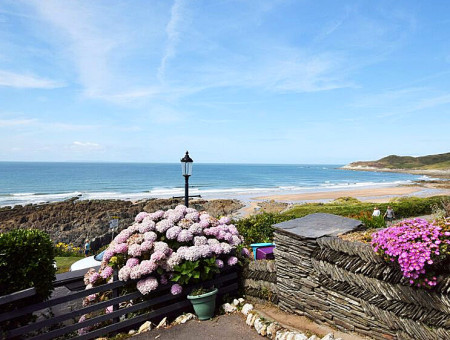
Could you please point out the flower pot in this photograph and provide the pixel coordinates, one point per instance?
(204, 304)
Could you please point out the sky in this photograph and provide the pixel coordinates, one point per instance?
(286, 82)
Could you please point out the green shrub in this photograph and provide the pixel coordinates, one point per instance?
(403, 207)
(258, 228)
(369, 221)
(26, 260)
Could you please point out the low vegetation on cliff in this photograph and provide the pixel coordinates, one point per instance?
(430, 162)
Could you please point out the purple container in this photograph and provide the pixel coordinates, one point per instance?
(265, 253)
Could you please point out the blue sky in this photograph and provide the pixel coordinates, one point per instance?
(230, 81)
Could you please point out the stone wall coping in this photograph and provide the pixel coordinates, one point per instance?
(319, 225)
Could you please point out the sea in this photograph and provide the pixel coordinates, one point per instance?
(39, 182)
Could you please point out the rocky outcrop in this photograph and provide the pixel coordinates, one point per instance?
(74, 220)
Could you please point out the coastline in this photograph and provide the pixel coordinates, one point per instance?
(375, 195)
(436, 173)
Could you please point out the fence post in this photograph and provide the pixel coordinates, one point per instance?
(115, 293)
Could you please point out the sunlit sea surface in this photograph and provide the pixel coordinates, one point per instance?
(37, 182)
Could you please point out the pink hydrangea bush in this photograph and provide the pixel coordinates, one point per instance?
(157, 244)
(417, 246)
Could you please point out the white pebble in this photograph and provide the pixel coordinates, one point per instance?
(247, 308)
(249, 319)
(146, 326)
(258, 325)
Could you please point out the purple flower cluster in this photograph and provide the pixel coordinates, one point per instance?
(176, 289)
(415, 245)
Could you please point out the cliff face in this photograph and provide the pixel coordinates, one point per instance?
(75, 221)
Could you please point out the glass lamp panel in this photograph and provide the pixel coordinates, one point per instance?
(186, 168)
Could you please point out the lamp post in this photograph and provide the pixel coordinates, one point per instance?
(186, 170)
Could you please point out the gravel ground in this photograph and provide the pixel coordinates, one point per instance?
(231, 326)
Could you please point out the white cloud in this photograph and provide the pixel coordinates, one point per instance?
(85, 146)
(16, 122)
(16, 80)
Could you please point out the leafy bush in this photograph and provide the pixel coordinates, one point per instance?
(258, 228)
(370, 222)
(403, 207)
(195, 271)
(346, 200)
(26, 260)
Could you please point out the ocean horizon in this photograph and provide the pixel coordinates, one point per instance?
(39, 182)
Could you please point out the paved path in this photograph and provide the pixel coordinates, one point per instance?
(231, 326)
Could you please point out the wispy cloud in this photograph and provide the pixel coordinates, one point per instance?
(173, 36)
(40, 125)
(16, 122)
(26, 81)
(401, 102)
(85, 146)
(82, 41)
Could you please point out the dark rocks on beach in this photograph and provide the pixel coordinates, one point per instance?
(74, 221)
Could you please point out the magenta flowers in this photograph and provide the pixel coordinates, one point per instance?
(415, 245)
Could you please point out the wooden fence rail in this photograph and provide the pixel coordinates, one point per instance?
(160, 304)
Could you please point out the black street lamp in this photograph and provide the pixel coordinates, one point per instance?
(186, 170)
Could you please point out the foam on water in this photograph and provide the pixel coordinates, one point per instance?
(24, 183)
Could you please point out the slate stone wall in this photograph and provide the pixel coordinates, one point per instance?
(260, 280)
(344, 284)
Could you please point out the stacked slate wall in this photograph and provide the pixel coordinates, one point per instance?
(260, 280)
(344, 284)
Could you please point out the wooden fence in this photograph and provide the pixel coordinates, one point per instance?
(160, 304)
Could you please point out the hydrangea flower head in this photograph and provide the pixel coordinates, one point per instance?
(147, 285)
(106, 272)
(150, 236)
(185, 236)
(173, 232)
(135, 250)
(176, 289)
(232, 260)
(225, 220)
(139, 217)
(147, 267)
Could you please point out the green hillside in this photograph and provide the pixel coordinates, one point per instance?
(430, 162)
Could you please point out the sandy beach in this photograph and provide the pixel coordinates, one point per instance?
(272, 203)
(369, 194)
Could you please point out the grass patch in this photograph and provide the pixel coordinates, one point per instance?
(403, 207)
(258, 228)
(64, 263)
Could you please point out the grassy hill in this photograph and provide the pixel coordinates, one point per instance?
(430, 162)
